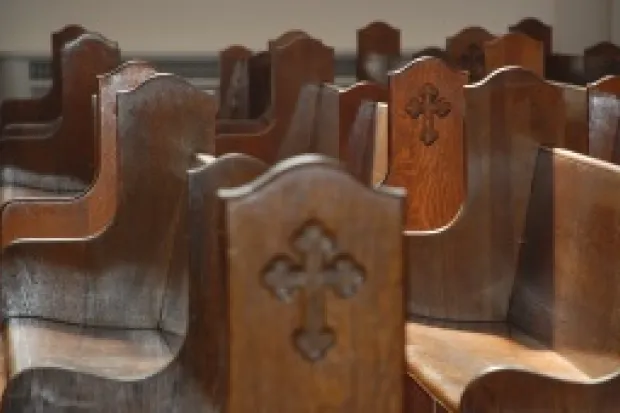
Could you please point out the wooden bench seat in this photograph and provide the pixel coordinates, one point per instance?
(115, 353)
(444, 357)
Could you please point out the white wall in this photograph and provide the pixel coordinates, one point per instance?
(197, 26)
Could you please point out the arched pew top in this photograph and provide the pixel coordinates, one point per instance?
(466, 49)
(515, 49)
(286, 38)
(378, 46)
(536, 29)
(343, 231)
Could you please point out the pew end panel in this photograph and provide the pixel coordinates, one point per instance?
(425, 128)
(344, 345)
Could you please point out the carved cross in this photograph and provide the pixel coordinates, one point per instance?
(428, 104)
(321, 268)
(473, 61)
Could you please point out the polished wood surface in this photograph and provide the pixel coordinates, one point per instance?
(351, 339)
(48, 107)
(425, 121)
(49, 218)
(68, 152)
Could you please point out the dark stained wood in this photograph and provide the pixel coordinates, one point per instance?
(515, 49)
(600, 60)
(576, 109)
(537, 30)
(260, 83)
(426, 113)
(93, 211)
(378, 44)
(318, 219)
(604, 119)
(234, 83)
(48, 107)
(466, 50)
(368, 144)
(68, 152)
(303, 61)
(111, 287)
(351, 99)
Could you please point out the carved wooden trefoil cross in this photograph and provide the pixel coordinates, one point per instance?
(428, 104)
(321, 267)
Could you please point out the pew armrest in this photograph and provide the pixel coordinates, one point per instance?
(27, 111)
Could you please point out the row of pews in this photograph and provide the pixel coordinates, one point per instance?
(275, 246)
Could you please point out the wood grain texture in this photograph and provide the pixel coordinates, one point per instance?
(425, 121)
(90, 213)
(364, 321)
(454, 278)
(514, 49)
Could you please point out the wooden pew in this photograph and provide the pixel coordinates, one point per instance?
(344, 346)
(537, 30)
(514, 49)
(303, 60)
(324, 117)
(378, 50)
(466, 50)
(90, 213)
(234, 91)
(14, 113)
(507, 310)
(81, 312)
(62, 160)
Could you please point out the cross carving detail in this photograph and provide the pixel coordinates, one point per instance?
(428, 104)
(321, 268)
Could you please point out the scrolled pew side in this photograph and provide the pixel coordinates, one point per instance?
(64, 160)
(90, 213)
(534, 296)
(48, 107)
(104, 295)
(331, 294)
